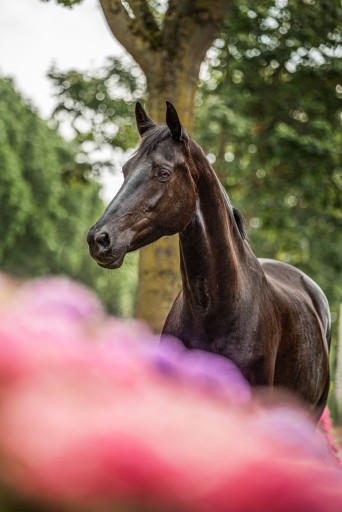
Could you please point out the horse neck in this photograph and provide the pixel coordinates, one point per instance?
(214, 256)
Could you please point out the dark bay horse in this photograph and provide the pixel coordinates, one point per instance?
(268, 317)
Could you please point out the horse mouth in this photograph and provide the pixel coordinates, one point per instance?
(111, 264)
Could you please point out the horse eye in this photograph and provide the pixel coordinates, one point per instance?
(163, 175)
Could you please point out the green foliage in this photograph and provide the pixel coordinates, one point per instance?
(99, 107)
(66, 3)
(270, 110)
(48, 202)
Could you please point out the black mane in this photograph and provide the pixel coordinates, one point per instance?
(240, 224)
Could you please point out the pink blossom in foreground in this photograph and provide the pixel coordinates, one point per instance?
(94, 417)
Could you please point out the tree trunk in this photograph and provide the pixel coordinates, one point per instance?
(159, 277)
(170, 55)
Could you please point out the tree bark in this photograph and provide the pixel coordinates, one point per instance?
(170, 56)
(159, 277)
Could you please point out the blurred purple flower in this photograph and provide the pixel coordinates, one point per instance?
(207, 371)
(94, 417)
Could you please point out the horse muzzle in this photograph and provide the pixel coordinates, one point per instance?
(102, 249)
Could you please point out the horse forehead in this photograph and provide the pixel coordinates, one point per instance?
(165, 150)
(168, 150)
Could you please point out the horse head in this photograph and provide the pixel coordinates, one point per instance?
(158, 195)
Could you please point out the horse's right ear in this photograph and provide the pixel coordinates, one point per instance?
(144, 123)
(173, 122)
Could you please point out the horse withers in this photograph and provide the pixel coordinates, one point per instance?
(268, 317)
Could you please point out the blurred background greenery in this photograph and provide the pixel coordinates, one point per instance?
(268, 116)
(48, 202)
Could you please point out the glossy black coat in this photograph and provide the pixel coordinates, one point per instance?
(268, 317)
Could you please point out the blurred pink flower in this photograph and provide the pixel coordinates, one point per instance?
(94, 417)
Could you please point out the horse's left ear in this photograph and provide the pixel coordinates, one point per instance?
(173, 122)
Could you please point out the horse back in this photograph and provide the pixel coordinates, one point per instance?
(295, 281)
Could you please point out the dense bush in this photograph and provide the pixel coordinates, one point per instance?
(48, 202)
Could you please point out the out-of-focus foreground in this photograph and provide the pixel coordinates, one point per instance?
(95, 417)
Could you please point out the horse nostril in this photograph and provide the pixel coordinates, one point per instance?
(102, 239)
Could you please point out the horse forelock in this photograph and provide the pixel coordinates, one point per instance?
(152, 138)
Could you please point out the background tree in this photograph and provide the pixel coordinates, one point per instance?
(270, 111)
(47, 204)
(169, 41)
(269, 118)
(272, 95)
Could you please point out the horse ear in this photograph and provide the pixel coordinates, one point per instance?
(144, 123)
(173, 122)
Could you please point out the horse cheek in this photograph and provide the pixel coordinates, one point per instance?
(185, 211)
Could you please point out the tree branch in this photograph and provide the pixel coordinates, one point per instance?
(131, 32)
(146, 19)
(190, 27)
(193, 23)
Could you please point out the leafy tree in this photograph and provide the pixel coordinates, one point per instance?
(47, 203)
(98, 106)
(270, 110)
